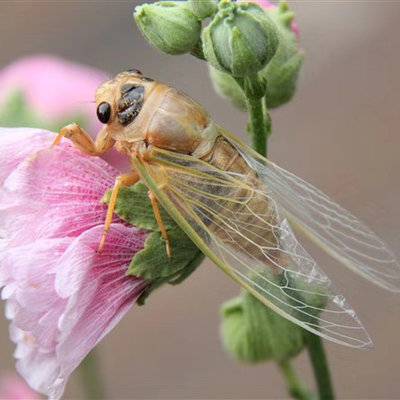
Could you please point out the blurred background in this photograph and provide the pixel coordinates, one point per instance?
(341, 132)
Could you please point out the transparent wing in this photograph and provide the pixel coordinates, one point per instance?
(326, 223)
(236, 222)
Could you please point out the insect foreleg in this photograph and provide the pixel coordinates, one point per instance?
(82, 140)
(120, 181)
(157, 215)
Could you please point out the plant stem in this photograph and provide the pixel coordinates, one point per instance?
(319, 363)
(259, 125)
(260, 128)
(296, 388)
(90, 375)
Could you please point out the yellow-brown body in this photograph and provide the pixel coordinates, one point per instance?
(165, 118)
(168, 118)
(225, 156)
(171, 120)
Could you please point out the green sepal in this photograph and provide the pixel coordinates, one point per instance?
(152, 262)
(15, 111)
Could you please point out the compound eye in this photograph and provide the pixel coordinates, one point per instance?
(104, 112)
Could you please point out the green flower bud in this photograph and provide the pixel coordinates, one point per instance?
(169, 26)
(281, 73)
(252, 332)
(202, 8)
(240, 40)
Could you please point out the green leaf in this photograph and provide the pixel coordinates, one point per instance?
(134, 207)
(152, 263)
(172, 280)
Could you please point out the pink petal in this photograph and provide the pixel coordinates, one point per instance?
(18, 143)
(105, 294)
(62, 296)
(87, 294)
(16, 263)
(31, 271)
(57, 193)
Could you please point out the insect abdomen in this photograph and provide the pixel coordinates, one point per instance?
(249, 205)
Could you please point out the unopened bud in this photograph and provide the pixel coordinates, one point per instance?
(240, 40)
(169, 26)
(281, 73)
(252, 332)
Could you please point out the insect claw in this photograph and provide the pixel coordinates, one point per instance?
(102, 242)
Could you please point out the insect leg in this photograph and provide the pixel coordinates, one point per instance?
(120, 181)
(163, 230)
(82, 140)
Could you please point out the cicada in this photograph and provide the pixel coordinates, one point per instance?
(238, 207)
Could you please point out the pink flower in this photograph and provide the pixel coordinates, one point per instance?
(267, 5)
(55, 88)
(62, 296)
(14, 388)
